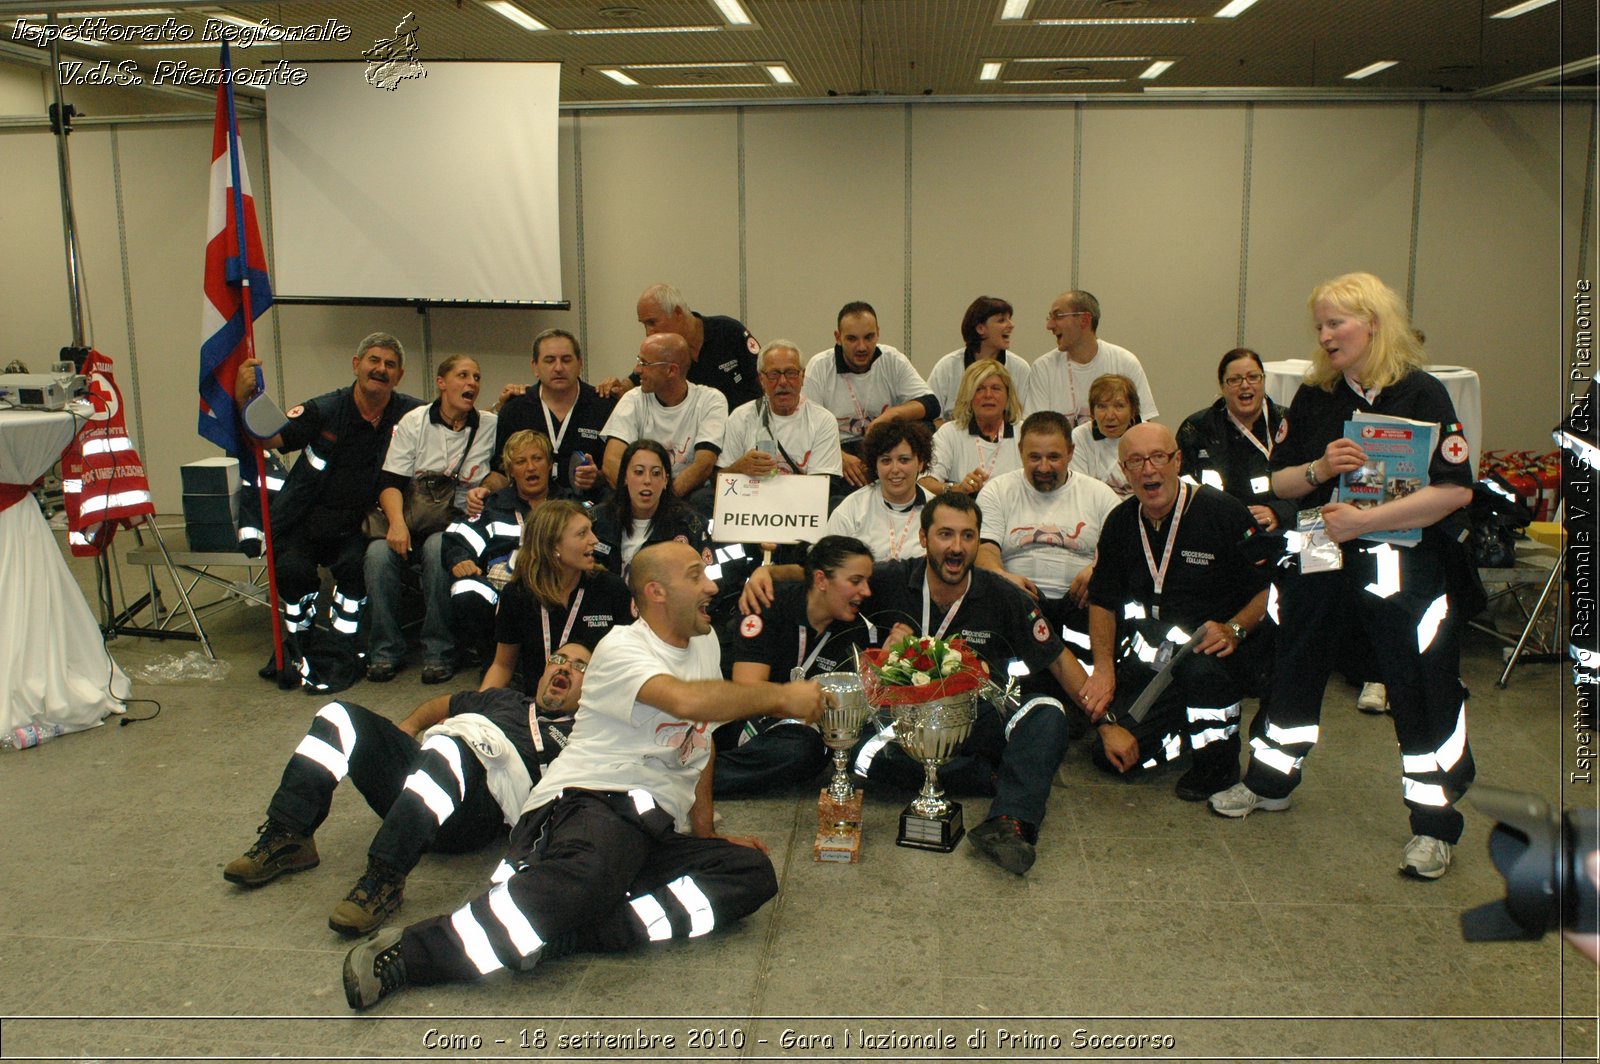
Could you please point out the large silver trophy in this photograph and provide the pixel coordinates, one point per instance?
(839, 804)
(932, 733)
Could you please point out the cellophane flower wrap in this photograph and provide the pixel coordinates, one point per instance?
(920, 669)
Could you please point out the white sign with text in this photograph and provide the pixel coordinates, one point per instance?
(776, 509)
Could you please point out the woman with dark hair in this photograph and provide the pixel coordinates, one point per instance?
(985, 335)
(812, 627)
(1229, 444)
(1412, 602)
(1113, 410)
(644, 509)
(556, 595)
(884, 514)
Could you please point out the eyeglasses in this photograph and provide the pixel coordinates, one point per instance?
(772, 376)
(1239, 380)
(641, 363)
(572, 663)
(1057, 315)
(1157, 460)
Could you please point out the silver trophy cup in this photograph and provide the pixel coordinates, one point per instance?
(932, 733)
(841, 724)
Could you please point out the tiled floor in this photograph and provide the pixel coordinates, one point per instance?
(1283, 936)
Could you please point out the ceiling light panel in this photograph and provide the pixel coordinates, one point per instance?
(617, 76)
(1156, 69)
(507, 10)
(1011, 10)
(1371, 69)
(736, 15)
(1521, 9)
(990, 72)
(1235, 8)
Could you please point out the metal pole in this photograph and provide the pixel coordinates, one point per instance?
(63, 126)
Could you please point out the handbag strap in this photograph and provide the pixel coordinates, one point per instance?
(455, 474)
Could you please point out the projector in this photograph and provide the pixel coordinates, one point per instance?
(42, 391)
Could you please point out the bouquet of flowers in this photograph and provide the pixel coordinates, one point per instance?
(921, 669)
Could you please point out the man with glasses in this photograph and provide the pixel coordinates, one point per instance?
(687, 419)
(1172, 575)
(782, 432)
(722, 353)
(449, 777)
(1060, 378)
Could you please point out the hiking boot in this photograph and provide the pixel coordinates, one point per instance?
(1240, 801)
(376, 895)
(1374, 699)
(438, 672)
(1002, 841)
(1425, 857)
(381, 671)
(374, 969)
(277, 850)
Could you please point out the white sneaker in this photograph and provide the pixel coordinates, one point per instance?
(1426, 857)
(1374, 698)
(1240, 800)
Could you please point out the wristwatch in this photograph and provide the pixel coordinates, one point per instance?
(1109, 718)
(1311, 473)
(1238, 631)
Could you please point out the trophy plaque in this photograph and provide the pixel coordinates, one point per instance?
(931, 733)
(839, 803)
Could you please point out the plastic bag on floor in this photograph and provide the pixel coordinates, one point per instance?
(193, 667)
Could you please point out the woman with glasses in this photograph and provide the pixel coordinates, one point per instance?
(1113, 409)
(979, 442)
(1413, 602)
(557, 594)
(1229, 444)
(643, 510)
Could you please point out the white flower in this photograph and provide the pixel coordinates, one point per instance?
(894, 656)
(920, 678)
(951, 665)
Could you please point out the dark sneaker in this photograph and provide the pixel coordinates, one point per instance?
(1198, 784)
(438, 672)
(1003, 842)
(374, 969)
(381, 671)
(277, 850)
(376, 895)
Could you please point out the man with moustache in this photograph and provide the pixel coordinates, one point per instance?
(316, 517)
(564, 407)
(616, 845)
(1171, 572)
(1060, 379)
(1012, 754)
(445, 778)
(686, 418)
(1042, 524)
(804, 436)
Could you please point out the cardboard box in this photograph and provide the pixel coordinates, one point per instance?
(211, 476)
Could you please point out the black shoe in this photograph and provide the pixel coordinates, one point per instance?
(374, 969)
(374, 898)
(1199, 783)
(436, 673)
(381, 671)
(1002, 841)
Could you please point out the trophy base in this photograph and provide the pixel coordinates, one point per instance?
(931, 833)
(838, 829)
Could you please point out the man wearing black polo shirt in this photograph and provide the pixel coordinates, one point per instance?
(721, 350)
(1013, 755)
(564, 407)
(316, 518)
(1171, 572)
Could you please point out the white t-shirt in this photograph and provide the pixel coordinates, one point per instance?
(619, 743)
(1047, 538)
(810, 435)
(856, 398)
(945, 380)
(889, 532)
(1098, 458)
(1058, 383)
(423, 444)
(958, 451)
(695, 423)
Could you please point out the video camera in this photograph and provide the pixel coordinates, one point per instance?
(1542, 857)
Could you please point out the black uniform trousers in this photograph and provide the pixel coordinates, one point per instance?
(1400, 596)
(432, 795)
(775, 753)
(602, 871)
(472, 607)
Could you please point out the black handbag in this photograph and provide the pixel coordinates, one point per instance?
(428, 502)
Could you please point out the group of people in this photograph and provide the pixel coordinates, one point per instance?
(1139, 582)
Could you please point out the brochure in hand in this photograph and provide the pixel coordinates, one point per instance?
(1398, 452)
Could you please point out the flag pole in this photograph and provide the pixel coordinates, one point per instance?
(250, 353)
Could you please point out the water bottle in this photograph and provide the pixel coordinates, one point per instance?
(31, 734)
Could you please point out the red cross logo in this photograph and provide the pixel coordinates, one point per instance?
(1454, 449)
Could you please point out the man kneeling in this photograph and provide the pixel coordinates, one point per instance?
(615, 846)
(430, 793)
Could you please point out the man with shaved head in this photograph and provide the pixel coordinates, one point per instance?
(1172, 572)
(687, 419)
(616, 845)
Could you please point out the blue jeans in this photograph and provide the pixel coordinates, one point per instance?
(385, 572)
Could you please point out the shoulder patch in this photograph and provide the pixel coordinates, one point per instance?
(295, 411)
(750, 342)
(1283, 430)
(1041, 629)
(751, 626)
(1454, 448)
